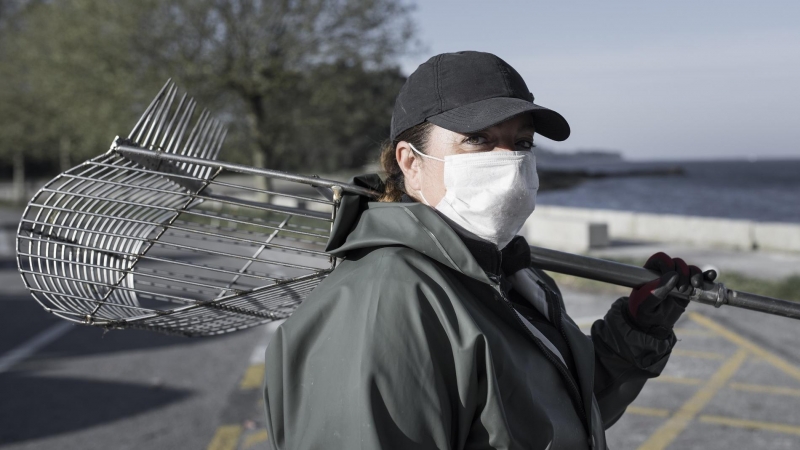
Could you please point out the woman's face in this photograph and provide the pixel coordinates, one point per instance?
(426, 175)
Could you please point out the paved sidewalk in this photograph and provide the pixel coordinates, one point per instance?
(732, 382)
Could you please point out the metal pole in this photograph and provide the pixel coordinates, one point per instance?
(130, 150)
(715, 294)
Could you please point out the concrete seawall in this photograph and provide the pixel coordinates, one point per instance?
(626, 225)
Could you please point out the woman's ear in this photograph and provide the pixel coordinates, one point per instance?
(409, 163)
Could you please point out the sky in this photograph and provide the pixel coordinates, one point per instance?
(652, 80)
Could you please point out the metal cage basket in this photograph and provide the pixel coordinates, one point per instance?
(139, 238)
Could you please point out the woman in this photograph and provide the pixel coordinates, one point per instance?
(434, 332)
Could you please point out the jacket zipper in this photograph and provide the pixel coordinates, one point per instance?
(575, 395)
(557, 319)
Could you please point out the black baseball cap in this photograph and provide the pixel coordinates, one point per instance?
(467, 92)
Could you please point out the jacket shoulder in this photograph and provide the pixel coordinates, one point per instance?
(384, 281)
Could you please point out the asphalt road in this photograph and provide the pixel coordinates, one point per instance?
(733, 382)
(123, 389)
(65, 386)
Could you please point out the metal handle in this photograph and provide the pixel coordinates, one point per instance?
(715, 294)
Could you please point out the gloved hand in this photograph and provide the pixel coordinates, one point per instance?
(651, 308)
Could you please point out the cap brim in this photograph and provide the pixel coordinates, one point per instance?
(486, 113)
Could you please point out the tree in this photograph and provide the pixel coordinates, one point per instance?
(306, 75)
(303, 84)
(71, 81)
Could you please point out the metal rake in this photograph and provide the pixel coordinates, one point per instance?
(157, 234)
(138, 238)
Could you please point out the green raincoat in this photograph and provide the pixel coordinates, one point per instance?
(408, 343)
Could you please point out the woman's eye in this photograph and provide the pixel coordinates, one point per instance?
(475, 140)
(527, 145)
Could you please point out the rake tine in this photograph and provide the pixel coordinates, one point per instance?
(208, 138)
(202, 137)
(149, 121)
(166, 110)
(181, 128)
(168, 131)
(158, 113)
(218, 147)
(149, 108)
(202, 145)
(194, 137)
(213, 146)
(187, 148)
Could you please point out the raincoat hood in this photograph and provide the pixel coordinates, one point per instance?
(361, 224)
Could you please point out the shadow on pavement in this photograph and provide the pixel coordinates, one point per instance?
(21, 318)
(38, 407)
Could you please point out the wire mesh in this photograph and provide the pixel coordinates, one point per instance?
(144, 239)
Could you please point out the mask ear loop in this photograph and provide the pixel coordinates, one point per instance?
(424, 156)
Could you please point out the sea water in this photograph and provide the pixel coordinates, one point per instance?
(762, 190)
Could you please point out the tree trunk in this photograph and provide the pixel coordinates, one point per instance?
(19, 177)
(259, 157)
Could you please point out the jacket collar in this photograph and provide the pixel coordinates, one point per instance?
(360, 223)
(513, 257)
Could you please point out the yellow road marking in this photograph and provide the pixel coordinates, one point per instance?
(256, 438)
(697, 354)
(785, 366)
(751, 424)
(680, 332)
(678, 380)
(252, 377)
(778, 390)
(226, 438)
(687, 412)
(643, 411)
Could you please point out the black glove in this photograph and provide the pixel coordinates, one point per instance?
(651, 308)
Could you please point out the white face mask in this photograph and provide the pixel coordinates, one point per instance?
(490, 194)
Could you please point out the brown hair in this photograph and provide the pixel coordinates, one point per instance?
(395, 181)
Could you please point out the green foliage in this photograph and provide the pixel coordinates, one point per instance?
(303, 84)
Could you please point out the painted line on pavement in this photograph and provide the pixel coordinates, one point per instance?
(678, 380)
(670, 430)
(783, 365)
(644, 411)
(681, 332)
(698, 354)
(254, 374)
(31, 346)
(253, 377)
(259, 437)
(777, 390)
(720, 420)
(226, 438)
(751, 424)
